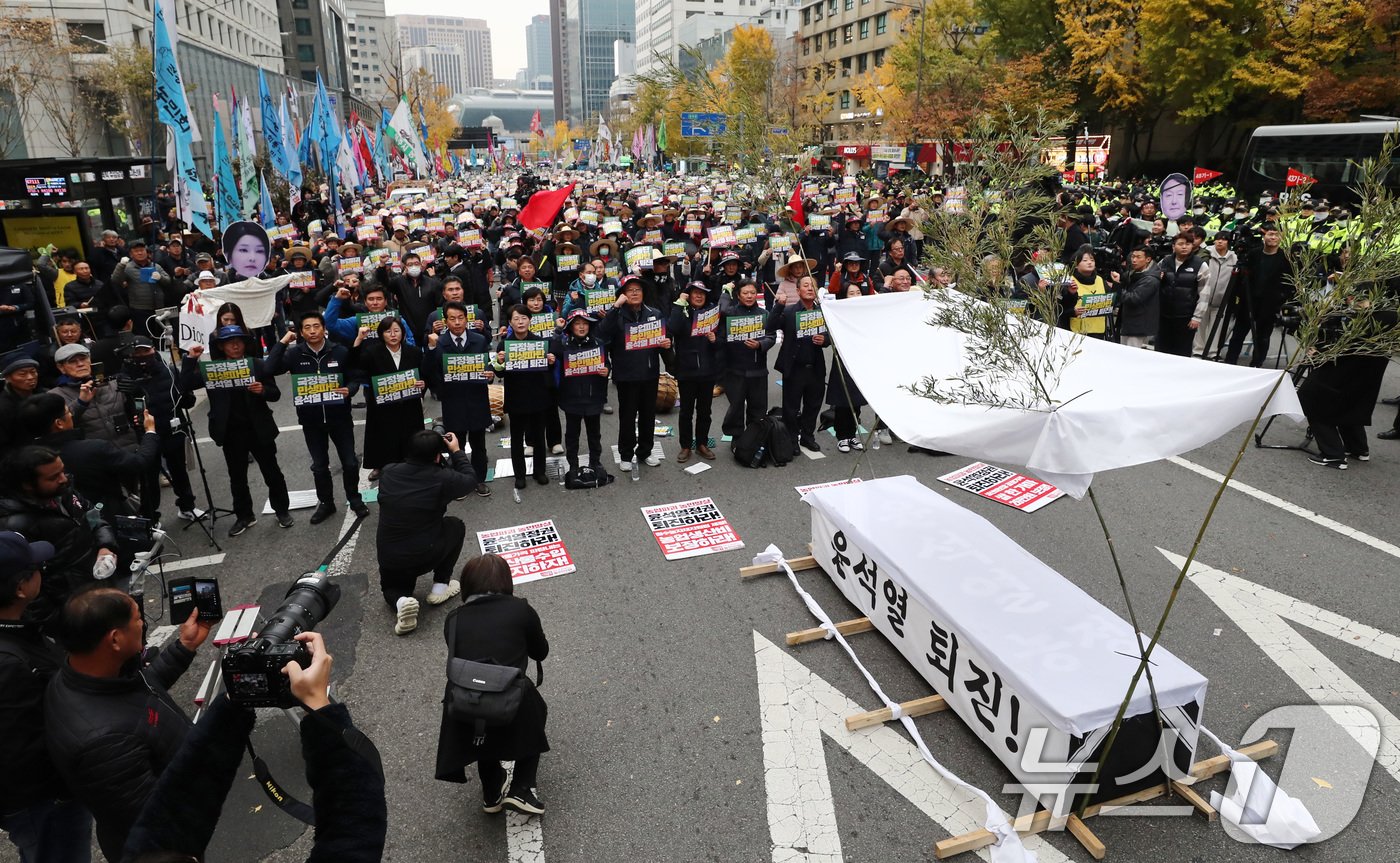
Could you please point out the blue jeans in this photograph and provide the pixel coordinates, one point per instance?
(54, 831)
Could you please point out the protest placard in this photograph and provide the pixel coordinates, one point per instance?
(819, 222)
(350, 265)
(741, 328)
(564, 263)
(523, 355)
(598, 300)
(365, 233)
(612, 226)
(690, 529)
(810, 322)
(638, 255)
(396, 387)
(464, 368)
(303, 281)
(1095, 305)
(694, 227)
(376, 258)
(371, 320)
(705, 321)
(308, 390)
(227, 374)
(722, 236)
(584, 361)
(1017, 491)
(673, 249)
(424, 253)
(779, 243)
(652, 236)
(745, 234)
(471, 239)
(534, 551)
(542, 324)
(644, 335)
(588, 217)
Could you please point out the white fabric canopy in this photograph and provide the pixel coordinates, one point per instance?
(1133, 406)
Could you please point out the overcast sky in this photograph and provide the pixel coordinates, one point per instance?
(507, 19)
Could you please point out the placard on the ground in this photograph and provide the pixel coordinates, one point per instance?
(534, 551)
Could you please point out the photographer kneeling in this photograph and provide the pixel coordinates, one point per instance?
(415, 533)
(342, 767)
(495, 627)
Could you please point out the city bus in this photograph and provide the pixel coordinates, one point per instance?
(1329, 152)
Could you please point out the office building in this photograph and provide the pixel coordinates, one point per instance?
(558, 36)
(539, 57)
(838, 42)
(314, 40)
(447, 66)
(664, 27)
(371, 42)
(590, 28)
(471, 35)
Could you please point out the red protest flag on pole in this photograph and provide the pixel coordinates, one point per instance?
(1203, 175)
(535, 124)
(795, 204)
(1297, 178)
(542, 207)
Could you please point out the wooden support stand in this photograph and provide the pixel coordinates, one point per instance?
(798, 564)
(917, 707)
(816, 633)
(1038, 822)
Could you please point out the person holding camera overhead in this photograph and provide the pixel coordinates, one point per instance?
(112, 726)
(415, 533)
(241, 423)
(494, 626)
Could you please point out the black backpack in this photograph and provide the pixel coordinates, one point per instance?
(762, 441)
(781, 448)
(587, 477)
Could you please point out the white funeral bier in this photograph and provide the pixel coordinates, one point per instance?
(1031, 663)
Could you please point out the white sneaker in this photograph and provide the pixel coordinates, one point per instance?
(653, 461)
(624, 466)
(407, 618)
(191, 514)
(557, 449)
(843, 445)
(886, 438)
(443, 592)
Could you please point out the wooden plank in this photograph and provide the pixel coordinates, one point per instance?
(917, 707)
(798, 564)
(816, 633)
(1187, 793)
(1038, 822)
(1079, 830)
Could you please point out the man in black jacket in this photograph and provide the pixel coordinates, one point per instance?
(102, 471)
(325, 419)
(627, 330)
(1180, 289)
(342, 767)
(36, 809)
(416, 294)
(39, 503)
(144, 374)
(415, 533)
(111, 725)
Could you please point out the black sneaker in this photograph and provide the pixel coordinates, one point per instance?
(241, 526)
(524, 800)
(483, 490)
(1359, 456)
(519, 482)
(360, 508)
(323, 511)
(284, 520)
(542, 479)
(492, 802)
(1334, 463)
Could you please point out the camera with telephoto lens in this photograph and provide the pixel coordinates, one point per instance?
(253, 670)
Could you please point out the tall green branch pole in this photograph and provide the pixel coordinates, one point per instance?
(1180, 579)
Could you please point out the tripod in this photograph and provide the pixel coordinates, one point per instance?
(1298, 375)
(211, 512)
(1229, 309)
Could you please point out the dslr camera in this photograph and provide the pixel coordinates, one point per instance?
(253, 670)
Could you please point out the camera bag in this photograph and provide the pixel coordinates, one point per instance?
(484, 694)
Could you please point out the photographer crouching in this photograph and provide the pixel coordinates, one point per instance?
(415, 533)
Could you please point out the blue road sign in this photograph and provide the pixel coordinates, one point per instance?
(699, 125)
(778, 130)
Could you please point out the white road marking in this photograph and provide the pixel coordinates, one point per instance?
(796, 708)
(1262, 612)
(524, 838)
(1302, 512)
(191, 562)
(340, 564)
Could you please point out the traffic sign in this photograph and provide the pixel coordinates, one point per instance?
(700, 125)
(778, 130)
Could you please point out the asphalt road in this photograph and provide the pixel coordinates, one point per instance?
(655, 718)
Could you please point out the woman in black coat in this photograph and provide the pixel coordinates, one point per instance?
(388, 426)
(494, 626)
(697, 367)
(581, 374)
(528, 399)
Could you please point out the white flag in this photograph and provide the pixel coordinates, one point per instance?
(406, 138)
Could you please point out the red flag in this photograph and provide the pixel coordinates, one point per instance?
(1203, 175)
(535, 124)
(1297, 178)
(542, 208)
(795, 204)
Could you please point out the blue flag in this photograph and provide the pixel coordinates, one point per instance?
(266, 215)
(225, 186)
(272, 129)
(173, 109)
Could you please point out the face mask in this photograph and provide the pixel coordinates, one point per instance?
(415, 271)
(1264, 202)
(589, 278)
(1199, 210)
(1227, 213)
(1319, 217)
